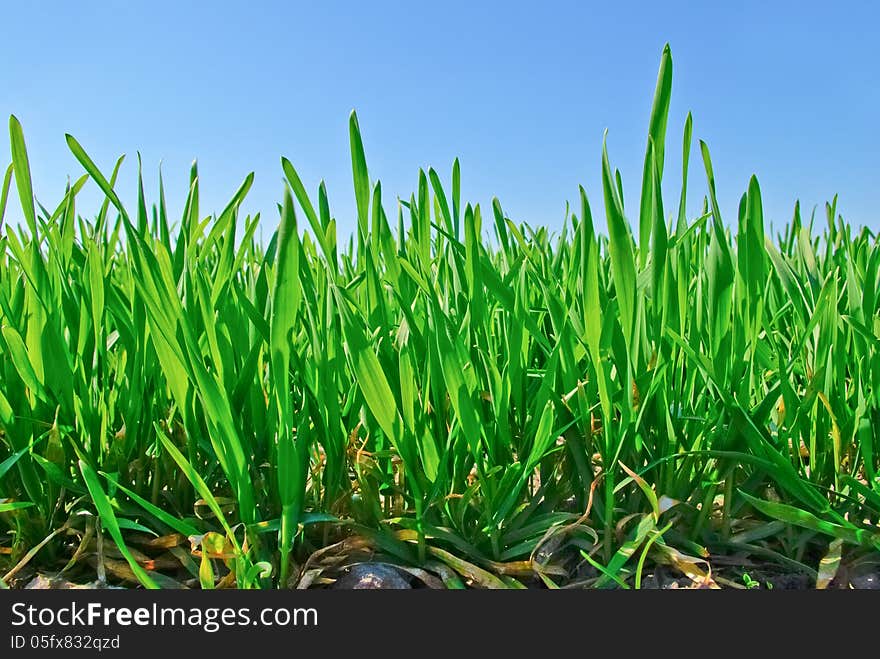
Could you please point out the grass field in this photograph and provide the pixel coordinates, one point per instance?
(486, 403)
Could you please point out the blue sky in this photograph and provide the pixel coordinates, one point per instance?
(520, 92)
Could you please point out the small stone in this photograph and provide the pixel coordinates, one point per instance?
(865, 581)
(794, 581)
(652, 582)
(371, 576)
(54, 582)
(49, 582)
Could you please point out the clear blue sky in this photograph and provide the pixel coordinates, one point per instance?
(521, 93)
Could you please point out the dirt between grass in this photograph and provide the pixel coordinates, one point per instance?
(354, 561)
(386, 576)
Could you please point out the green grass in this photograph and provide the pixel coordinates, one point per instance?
(489, 402)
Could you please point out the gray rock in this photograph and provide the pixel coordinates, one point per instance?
(661, 579)
(794, 581)
(54, 582)
(369, 576)
(50, 582)
(865, 580)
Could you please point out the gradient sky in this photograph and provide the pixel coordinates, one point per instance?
(521, 93)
